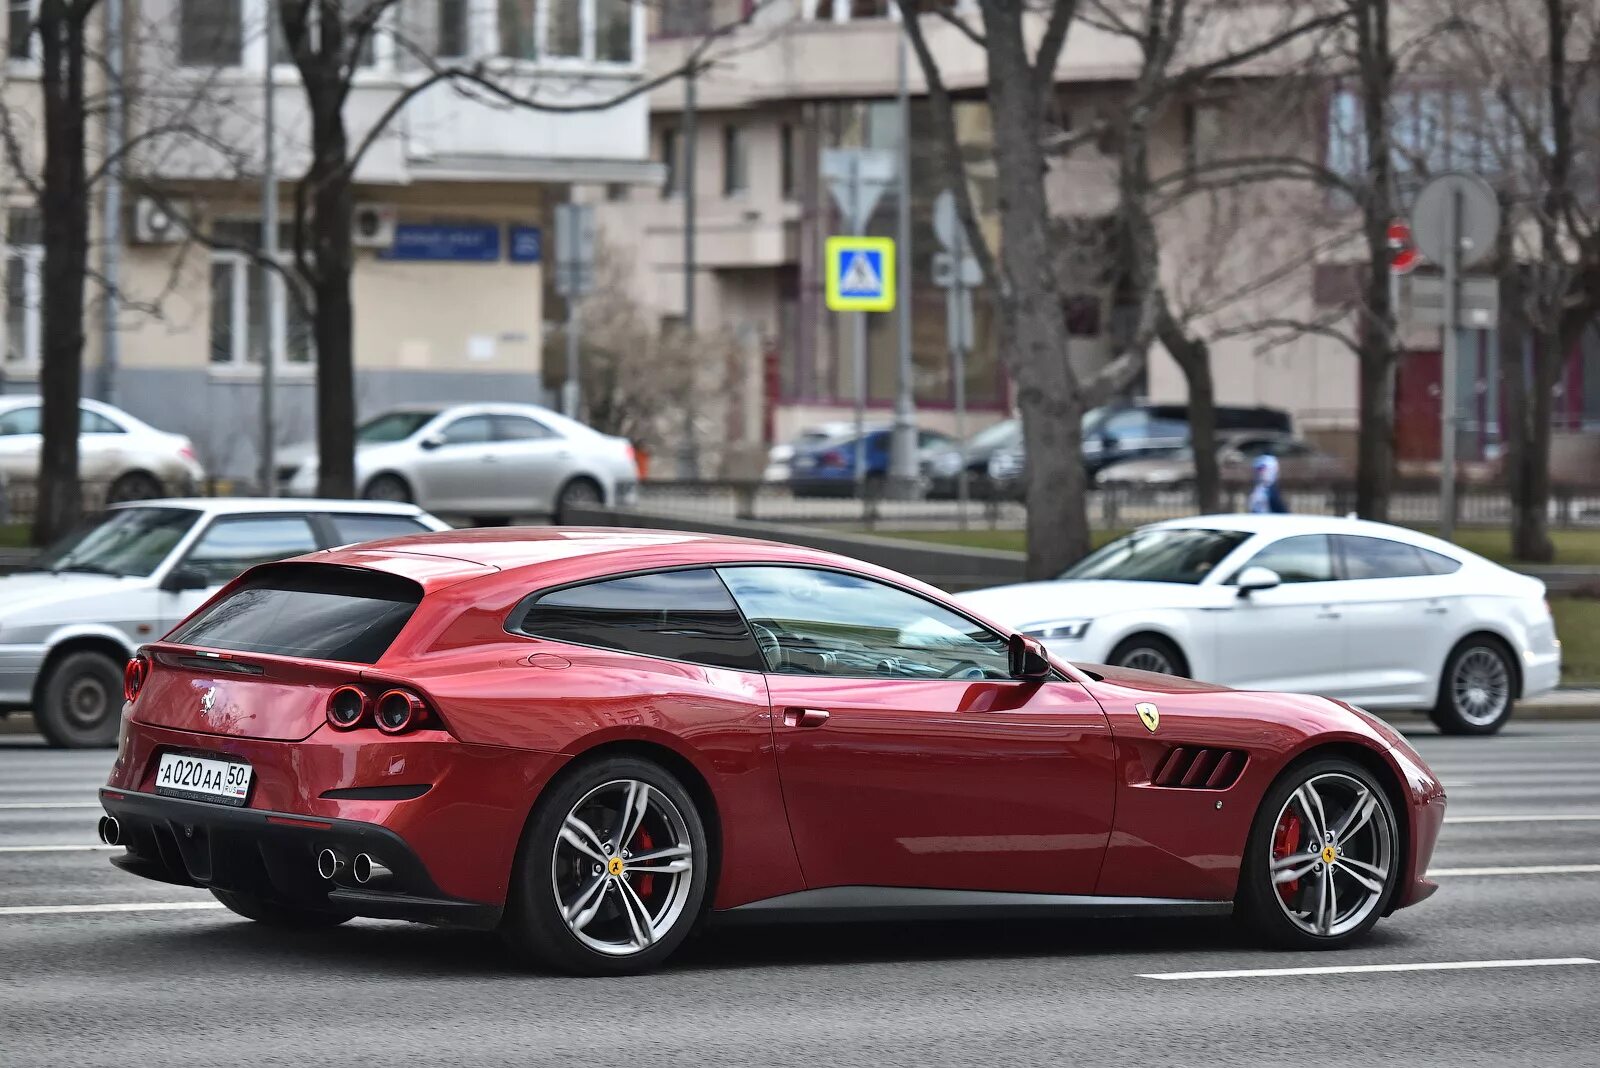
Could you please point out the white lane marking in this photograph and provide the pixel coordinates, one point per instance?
(1527, 869)
(1352, 969)
(54, 848)
(123, 906)
(1532, 817)
(19, 805)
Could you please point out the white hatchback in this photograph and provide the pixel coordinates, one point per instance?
(1379, 616)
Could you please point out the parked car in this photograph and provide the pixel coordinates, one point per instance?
(1112, 435)
(943, 466)
(130, 458)
(489, 461)
(1298, 461)
(593, 740)
(780, 457)
(1380, 616)
(71, 620)
(828, 468)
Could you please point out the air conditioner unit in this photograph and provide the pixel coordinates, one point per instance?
(157, 222)
(373, 226)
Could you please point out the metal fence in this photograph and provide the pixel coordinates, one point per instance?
(1110, 508)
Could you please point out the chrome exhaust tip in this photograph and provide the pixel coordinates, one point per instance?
(329, 864)
(364, 869)
(110, 830)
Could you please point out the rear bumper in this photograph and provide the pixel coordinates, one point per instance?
(1541, 672)
(274, 855)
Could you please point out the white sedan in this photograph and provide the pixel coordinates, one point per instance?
(489, 461)
(127, 459)
(1379, 616)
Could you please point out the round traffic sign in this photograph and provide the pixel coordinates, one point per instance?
(1476, 212)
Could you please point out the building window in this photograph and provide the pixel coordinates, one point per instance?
(210, 33)
(683, 18)
(454, 32)
(237, 304)
(613, 32)
(19, 40)
(24, 271)
(563, 33)
(735, 161)
(617, 192)
(519, 29)
(788, 177)
(669, 159)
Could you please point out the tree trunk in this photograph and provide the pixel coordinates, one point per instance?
(332, 210)
(1375, 449)
(64, 216)
(1193, 357)
(1033, 332)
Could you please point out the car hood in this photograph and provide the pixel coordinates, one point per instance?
(30, 590)
(1028, 603)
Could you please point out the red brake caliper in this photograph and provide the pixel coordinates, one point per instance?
(647, 883)
(1284, 840)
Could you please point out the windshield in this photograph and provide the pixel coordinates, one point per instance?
(392, 426)
(127, 542)
(1164, 555)
(1004, 433)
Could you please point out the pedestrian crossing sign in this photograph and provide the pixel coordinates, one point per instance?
(860, 273)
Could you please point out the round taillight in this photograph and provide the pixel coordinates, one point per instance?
(399, 710)
(133, 676)
(347, 707)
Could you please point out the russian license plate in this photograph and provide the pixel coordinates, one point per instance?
(202, 779)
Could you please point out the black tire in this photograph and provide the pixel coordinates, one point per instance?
(1145, 652)
(80, 703)
(388, 488)
(1259, 905)
(135, 486)
(579, 492)
(276, 913)
(1457, 710)
(534, 925)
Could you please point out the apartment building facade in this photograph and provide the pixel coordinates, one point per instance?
(454, 199)
(809, 76)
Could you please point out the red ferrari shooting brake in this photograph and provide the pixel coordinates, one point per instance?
(593, 740)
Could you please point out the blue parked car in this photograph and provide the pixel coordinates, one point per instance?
(828, 468)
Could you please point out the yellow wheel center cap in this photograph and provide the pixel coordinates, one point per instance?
(1328, 854)
(614, 866)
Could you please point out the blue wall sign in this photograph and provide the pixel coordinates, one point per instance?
(527, 244)
(470, 242)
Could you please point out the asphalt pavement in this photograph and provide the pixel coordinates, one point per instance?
(1494, 973)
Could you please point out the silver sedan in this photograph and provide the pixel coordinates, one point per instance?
(118, 455)
(489, 461)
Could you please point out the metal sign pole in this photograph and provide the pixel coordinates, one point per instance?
(859, 329)
(958, 363)
(569, 389)
(1447, 373)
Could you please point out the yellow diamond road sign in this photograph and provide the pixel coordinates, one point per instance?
(860, 273)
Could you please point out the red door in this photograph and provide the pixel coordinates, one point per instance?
(945, 784)
(1417, 406)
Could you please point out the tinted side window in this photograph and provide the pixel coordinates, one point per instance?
(233, 544)
(679, 615)
(1306, 558)
(95, 423)
(348, 529)
(812, 622)
(520, 428)
(468, 430)
(20, 421)
(1376, 558)
(1439, 563)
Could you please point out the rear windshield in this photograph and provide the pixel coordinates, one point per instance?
(315, 611)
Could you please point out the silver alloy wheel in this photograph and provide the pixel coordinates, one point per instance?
(1480, 687)
(1332, 854)
(1148, 658)
(622, 867)
(580, 492)
(87, 702)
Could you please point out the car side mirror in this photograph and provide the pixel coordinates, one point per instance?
(431, 442)
(180, 579)
(1257, 578)
(1028, 660)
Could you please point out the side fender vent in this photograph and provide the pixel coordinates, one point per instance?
(1197, 768)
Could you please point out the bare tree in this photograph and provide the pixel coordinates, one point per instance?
(1541, 62)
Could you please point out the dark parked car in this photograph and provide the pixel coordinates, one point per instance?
(828, 469)
(1113, 435)
(942, 467)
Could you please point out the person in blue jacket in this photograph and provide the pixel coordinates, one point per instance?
(1264, 493)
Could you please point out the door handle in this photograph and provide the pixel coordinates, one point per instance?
(490, 459)
(804, 717)
(1436, 610)
(1327, 613)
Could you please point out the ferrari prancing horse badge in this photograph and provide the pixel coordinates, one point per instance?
(1149, 715)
